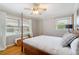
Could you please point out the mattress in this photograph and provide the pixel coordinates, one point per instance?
(49, 44)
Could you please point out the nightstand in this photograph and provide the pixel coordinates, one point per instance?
(18, 41)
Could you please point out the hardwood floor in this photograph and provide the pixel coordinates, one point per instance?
(13, 50)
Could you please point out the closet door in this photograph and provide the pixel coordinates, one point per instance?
(2, 31)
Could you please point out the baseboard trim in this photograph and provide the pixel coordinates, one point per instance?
(11, 45)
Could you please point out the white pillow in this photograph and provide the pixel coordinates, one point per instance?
(75, 46)
(67, 38)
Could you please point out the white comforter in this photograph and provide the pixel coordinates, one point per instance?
(50, 44)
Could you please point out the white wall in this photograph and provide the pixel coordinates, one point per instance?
(48, 27)
(35, 27)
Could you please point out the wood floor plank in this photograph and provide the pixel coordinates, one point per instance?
(13, 50)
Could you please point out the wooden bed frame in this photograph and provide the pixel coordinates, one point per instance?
(30, 50)
(27, 49)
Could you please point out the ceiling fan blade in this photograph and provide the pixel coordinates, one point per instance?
(43, 9)
(27, 9)
(36, 4)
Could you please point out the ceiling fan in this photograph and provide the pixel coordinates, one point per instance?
(36, 8)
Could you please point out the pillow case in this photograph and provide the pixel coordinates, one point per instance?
(68, 38)
(75, 46)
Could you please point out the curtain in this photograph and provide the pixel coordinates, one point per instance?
(2, 31)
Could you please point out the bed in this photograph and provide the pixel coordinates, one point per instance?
(45, 45)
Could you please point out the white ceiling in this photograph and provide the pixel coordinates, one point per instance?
(53, 9)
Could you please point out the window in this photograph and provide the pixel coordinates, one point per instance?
(27, 30)
(62, 22)
(12, 27)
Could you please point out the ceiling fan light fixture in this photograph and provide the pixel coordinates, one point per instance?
(36, 12)
(37, 9)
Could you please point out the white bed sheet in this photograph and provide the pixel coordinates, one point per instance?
(49, 44)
